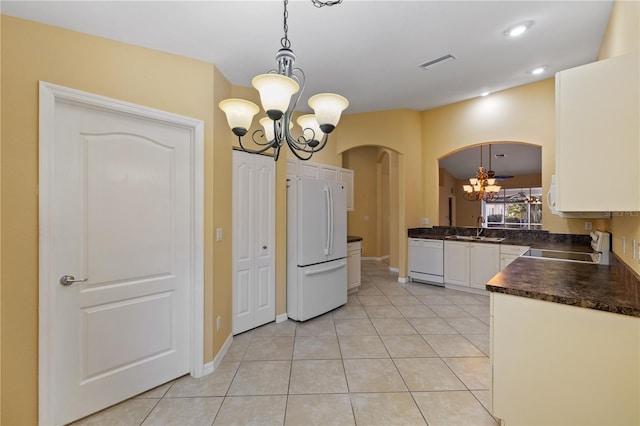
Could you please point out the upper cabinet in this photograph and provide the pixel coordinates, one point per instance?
(598, 136)
(323, 171)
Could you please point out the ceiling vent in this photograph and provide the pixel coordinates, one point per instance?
(436, 61)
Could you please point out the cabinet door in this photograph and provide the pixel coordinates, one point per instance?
(597, 134)
(309, 169)
(484, 263)
(329, 173)
(346, 177)
(353, 266)
(292, 168)
(456, 263)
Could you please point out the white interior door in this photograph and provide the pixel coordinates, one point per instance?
(121, 192)
(253, 241)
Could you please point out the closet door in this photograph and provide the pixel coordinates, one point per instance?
(253, 241)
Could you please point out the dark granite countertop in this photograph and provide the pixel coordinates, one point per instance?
(353, 238)
(533, 239)
(611, 288)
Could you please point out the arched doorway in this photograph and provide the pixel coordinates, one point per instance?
(376, 214)
(517, 165)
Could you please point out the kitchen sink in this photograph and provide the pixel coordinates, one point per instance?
(474, 238)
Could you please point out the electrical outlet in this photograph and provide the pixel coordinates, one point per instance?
(218, 234)
(366, 218)
(425, 221)
(218, 323)
(587, 226)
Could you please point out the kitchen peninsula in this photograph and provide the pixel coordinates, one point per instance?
(565, 336)
(565, 343)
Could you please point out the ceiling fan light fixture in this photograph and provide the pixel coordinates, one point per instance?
(483, 185)
(518, 29)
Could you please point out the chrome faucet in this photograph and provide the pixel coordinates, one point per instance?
(479, 223)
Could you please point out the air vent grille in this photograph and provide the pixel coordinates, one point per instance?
(441, 59)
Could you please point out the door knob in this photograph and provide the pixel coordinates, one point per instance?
(70, 279)
(264, 247)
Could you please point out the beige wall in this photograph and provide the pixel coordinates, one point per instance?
(363, 161)
(524, 114)
(623, 36)
(33, 52)
(398, 130)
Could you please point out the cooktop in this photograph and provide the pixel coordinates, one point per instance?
(570, 256)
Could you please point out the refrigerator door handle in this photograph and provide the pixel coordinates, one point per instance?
(332, 220)
(328, 269)
(328, 228)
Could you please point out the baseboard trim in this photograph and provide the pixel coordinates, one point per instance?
(210, 367)
(394, 270)
(377, 259)
(281, 318)
(403, 280)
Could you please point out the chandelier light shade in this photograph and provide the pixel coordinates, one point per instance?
(328, 107)
(275, 93)
(239, 114)
(311, 128)
(280, 91)
(483, 186)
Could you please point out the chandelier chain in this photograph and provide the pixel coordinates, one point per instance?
(318, 3)
(284, 41)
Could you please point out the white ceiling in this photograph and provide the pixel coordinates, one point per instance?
(519, 159)
(368, 51)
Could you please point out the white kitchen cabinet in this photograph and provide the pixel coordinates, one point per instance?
(470, 264)
(509, 253)
(329, 173)
(555, 364)
(292, 168)
(484, 263)
(346, 177)
(456, 263)
(354, 257)
(322, 171)
(308, 169)
(597, 134)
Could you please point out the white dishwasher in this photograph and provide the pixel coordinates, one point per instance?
(426, 260)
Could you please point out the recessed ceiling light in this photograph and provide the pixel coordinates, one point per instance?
(484, 94)
(538, 70)
(518, 29)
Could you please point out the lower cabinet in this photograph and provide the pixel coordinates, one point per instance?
(470, 264)
(555, 364)
(509, 253)
(353, 266)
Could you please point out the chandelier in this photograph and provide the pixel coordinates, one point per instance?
(276, 89)
(483, 186)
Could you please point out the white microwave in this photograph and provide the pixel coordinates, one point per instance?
(551, 203)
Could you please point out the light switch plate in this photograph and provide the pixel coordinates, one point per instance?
(218, 234)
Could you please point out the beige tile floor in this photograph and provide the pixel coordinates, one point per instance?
(395, 354)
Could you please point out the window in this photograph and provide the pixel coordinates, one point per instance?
(519, 208)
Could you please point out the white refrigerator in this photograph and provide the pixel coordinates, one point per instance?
(316, 247)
